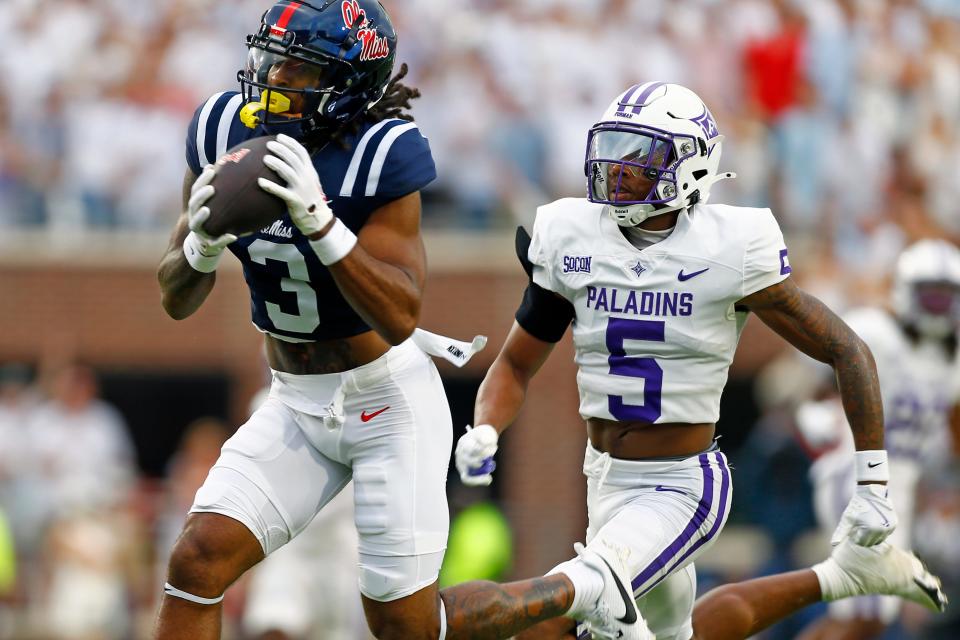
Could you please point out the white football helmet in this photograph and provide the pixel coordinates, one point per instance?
(926, 287)
(655, 150)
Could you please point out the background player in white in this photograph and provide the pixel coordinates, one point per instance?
(915, 346)
(658, 285)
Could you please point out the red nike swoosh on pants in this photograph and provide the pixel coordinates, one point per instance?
(367, 417)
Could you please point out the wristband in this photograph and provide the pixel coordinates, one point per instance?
(192, 245)
(872, 466)
(335, 245)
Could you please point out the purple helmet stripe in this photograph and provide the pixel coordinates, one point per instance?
(699, 517)
(629, 94)
(642, 98)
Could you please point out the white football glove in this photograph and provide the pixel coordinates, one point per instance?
(869, 517)
(198, 212)
(474, 455)
(303, 194)
(200, 248)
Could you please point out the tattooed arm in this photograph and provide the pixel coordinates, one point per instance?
(811, 327)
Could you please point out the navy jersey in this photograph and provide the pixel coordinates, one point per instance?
(292, 295)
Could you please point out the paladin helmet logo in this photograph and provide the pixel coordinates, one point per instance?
(374, 46)
(707, 123)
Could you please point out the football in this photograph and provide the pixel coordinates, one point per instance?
(238, 205)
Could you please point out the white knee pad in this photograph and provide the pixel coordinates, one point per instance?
(230, 493)
(388, 578)
(171, 590)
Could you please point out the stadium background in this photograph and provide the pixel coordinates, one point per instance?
(843, 115)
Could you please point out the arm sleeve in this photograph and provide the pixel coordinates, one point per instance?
(765, 260)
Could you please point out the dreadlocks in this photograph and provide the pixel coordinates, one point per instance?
(395, 103)
(396, 99)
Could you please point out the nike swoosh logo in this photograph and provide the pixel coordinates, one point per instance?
(874, 464)
(660, 487)
(630, 617)
(367, 417)
(682, 277)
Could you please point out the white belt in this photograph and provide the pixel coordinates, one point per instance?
(456, 352)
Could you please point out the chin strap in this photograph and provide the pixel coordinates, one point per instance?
(651, 211)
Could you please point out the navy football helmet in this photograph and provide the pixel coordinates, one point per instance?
(318, 64)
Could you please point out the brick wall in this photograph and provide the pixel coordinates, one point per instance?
(107, 312)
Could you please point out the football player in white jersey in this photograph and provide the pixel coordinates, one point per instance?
(915, 348)
(658, 285)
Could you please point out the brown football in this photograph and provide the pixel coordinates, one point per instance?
(238, 205)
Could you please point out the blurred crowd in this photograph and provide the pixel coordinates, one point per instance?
(842, 115)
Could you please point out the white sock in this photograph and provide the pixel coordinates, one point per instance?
(443, 621)
(834, 581)
(587, 585)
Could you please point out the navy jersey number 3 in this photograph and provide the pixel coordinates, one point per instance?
(292, 295)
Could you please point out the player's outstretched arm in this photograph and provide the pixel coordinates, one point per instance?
(499, 399)
(810, 326)
(183, 286)
(814, 329)
(504, 388)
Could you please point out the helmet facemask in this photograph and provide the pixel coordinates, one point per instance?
(926, 288)
(635, 165)
(283, 83)
(934, 308)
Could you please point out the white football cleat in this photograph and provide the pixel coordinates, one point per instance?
(615, 615)
(882, 569)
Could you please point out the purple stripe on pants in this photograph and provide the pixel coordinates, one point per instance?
(721, 514)
(699, 517)
(642, 98)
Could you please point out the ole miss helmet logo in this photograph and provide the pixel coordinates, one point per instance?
(374, 46)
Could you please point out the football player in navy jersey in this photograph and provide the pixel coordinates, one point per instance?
(335, 288)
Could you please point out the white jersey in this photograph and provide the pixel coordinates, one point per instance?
(655, 329)
(919, 383)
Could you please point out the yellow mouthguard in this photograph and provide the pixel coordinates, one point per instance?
(278, 103)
